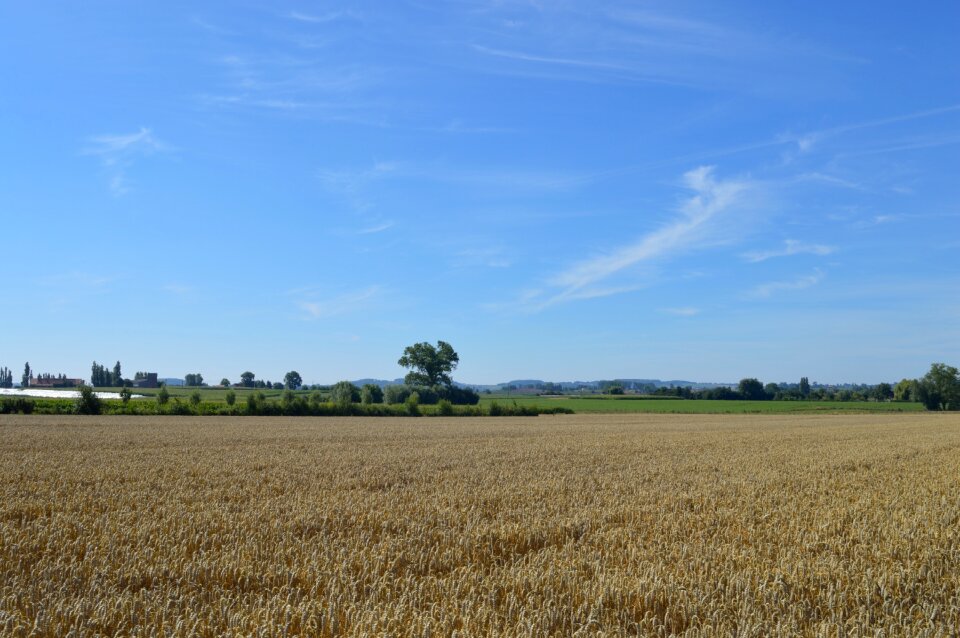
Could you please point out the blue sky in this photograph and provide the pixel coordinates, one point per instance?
(562, 190)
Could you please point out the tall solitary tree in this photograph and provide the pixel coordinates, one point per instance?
(247, 379)
(27, 373)
(292, 380)
(117, 377)
(431, 366)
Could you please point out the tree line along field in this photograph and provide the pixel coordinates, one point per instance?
(669, 405)
(589, 525)
(589, 404)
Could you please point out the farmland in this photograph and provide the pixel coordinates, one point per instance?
(593, 404)
(629, 524)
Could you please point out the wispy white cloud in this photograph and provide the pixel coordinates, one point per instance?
(691, 228)
(773, 287)
(649, 45)
(349, 182)
(833, 180)
(457, 126)
(211, 27)
(324, 18)
(876, 220)
(331, 306)
(359, 186)
(790, 247)
(625, 71)
(112, 147)
(806, 142)
(378, 228)
(687, 311)
(118, 152)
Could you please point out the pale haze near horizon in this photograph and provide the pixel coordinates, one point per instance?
(562, 191)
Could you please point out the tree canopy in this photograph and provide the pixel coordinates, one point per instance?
(292, 380)
(431, 366)
(939, 389)
(751, 390)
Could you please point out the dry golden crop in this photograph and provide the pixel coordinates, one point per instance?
(566, 526)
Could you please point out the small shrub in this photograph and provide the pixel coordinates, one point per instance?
(413, 404)
(180, 408)
(87, 402)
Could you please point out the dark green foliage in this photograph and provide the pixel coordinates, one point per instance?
(394, 394)
(460, 396)
(344, 392)
(371, 393)
(225, 382)
(179, 408)
(16, 405)
(256, 403)
(195, 398)
(292, 380)
(163, 395)
(194, 379)
(751, 390)
(27, 373)
(6, 378)
(425, 395)
(883, 392)
(87, 402)
(230, 397)
(905, 390)
(125, 395)
(100, 376)
(431, 365)
(413, 404)
(444, 408)
(247, 379)
(939, 389)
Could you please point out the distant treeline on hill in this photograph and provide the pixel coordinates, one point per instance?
(939, 389)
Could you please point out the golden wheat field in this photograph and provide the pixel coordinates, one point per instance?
(608, 525)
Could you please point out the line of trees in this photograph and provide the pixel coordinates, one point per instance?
(102, 377)
(751, 389)
(193, 379)
(6, 377)
(939, 389)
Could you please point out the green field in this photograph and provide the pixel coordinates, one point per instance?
(607, 404)
(661, 405)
